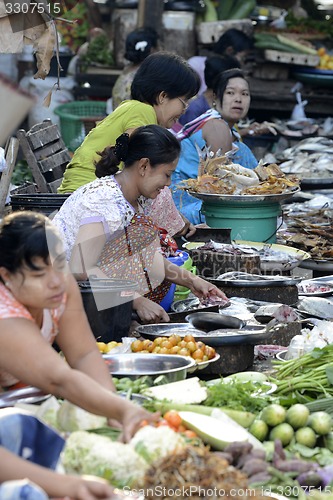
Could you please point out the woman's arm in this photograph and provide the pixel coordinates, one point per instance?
(28, 357)
(217, 135)
(54, 484)
(198, 286)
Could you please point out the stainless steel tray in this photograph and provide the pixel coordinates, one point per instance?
(27, 395)
(217, 338)
(244, 198)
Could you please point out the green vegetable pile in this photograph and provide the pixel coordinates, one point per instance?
(98, 52)
(237, 396)
(306, 378)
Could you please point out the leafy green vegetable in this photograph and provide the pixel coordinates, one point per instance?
(236, 395)
(98, 52)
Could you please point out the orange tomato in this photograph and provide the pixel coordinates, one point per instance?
(198, 354)
(136, 346)
(189, 434)
(173, 418)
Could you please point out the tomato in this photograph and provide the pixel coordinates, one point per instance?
(136, 346)
(148, 345)
(189, 338)
(198, 354)
(174, 339)
(167, 344)
(189, 434)
(173, 418)
(191, 346)
(164, 350)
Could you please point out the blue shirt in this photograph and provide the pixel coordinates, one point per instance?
(187, 168)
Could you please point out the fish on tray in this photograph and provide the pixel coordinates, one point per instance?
(319, 307)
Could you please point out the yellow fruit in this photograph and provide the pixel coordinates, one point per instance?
(111, 345)
(321, 51)
(101, 346)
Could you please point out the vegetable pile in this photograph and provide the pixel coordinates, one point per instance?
(306, 378)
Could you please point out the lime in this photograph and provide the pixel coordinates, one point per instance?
(259, 429)
(273, 414)
(297, 415)
(306, 436)
(320, 422)
(284, 432)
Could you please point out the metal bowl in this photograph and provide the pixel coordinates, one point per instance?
(134, 365)
(212, 321)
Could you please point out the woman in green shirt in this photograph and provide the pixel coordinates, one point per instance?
(160, 90)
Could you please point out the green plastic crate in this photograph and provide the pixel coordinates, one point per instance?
(77, 118)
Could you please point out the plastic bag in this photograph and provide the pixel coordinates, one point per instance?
(298, 112)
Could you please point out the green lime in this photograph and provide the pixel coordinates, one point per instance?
(297, 416)
(320, 422)
(259, 429)
(273, 414)
(284, 432)
(306, 436)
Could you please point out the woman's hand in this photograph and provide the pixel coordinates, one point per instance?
(188, 229)
(90, 488)
(149, 312)
(133, 419)
(203, 289)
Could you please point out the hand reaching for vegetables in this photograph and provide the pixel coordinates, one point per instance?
(133, 418)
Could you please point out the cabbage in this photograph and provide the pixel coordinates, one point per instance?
(153, 443)
(88, 453)
(72, 418)
(47, 412)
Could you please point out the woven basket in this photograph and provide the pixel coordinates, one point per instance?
(77, 118)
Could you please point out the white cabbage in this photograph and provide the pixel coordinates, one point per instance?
(88, 453)
(72, 418)
(153, 443)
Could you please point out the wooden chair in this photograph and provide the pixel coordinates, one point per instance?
(46, 155)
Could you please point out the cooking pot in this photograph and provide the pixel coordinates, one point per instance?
(108, 305)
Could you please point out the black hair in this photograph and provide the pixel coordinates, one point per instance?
(237, 39)
(223, 79)
(215, 64)
(164, 72)
(150, 141)
(139, 44)
(24, 236)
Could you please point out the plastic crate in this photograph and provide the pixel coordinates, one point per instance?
(77, 118)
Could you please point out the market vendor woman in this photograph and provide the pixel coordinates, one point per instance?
(40, 303)
(108, 228)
